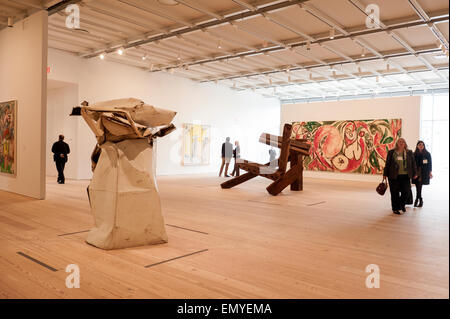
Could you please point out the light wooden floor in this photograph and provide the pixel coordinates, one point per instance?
(310, 244)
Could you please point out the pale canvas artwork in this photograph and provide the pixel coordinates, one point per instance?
(8, 115)
(123, 193)
(196, 144)
(354, 146)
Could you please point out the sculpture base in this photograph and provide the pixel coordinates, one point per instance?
(124, 197)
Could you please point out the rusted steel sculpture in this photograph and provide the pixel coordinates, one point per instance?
(292, 151)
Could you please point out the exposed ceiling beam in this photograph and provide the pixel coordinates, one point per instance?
(61, 6)
(198, 27)
(426, 18)
(384, 56)
(359, 5)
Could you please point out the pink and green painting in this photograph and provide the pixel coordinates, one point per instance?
(357, 146)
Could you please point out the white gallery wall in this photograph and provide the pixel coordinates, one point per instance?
(23, 61)
(242, 115)
(405, 108)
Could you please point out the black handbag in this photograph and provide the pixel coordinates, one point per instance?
(382, 187)
(409, 197)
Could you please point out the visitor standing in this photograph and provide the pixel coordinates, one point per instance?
(227, 153)
(60, 150)
(237, 156)
(399, 170)
(424, 171)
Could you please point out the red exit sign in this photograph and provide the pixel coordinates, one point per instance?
(48, 70)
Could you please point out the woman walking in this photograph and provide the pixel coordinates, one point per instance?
(237, 156)
(399, 170)
(424, 171)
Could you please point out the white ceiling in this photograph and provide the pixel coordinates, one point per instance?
(276, 48)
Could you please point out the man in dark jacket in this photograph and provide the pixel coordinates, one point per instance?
(227, 153)
(60, 150)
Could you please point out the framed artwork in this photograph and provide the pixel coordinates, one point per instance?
(8, 133)
(356, 146)
(196, 144)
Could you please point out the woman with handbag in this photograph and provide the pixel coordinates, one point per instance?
(399, 170)
(424, 171)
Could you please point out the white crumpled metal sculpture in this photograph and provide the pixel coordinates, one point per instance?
(123, 192)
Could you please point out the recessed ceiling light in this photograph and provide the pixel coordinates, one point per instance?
(440, 57)
(168, 2)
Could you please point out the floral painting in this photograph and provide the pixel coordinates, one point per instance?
(8, 111)
(358, 146)
(196, 144)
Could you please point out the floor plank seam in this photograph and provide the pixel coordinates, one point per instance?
(78, 232)
(165, 261)
(37, 261)
(197, 231)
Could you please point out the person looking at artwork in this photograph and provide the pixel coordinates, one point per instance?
(272, 157)
(424, 171)
(237, 156)
(399, 170)
(60, 150)
(227, 153)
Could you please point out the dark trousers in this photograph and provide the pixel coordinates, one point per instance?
(60, 167)
(400, 191)
(418, 190)
(236, 169)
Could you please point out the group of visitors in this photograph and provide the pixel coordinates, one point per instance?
(227, 153)
(402, 166)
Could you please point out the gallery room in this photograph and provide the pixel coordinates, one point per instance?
(224, 149)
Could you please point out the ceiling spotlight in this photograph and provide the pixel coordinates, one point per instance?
(179, 57)
(102, 56)
(219, 45)
(120, 51)
(363, 53)
(332, 33)
(168, 2)
(144, 57)
(10, 22)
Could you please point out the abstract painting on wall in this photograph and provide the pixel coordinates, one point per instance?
(8, 114)
(359, 146)
(196, 144)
